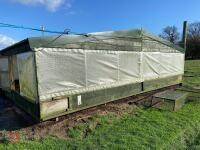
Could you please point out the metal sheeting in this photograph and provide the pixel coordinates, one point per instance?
(62, 70)
(27, 75)
(4, 77)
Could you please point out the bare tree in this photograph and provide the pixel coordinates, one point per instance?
(171, 34)
(194, 31)
(193, 41)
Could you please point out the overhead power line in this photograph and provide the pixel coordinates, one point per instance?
(65, 32)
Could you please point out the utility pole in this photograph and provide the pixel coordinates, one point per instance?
(184, 37)
(42, 29)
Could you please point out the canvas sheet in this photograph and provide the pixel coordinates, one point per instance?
(61, 70)
(70, 69)
(4, 76)
(160, 65)
(27, 75)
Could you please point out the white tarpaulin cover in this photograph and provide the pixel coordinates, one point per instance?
(13, 60)
(101, 67)
(61, 70)
(4, 76)
(158, 65)
(129, 66)
(27, 75)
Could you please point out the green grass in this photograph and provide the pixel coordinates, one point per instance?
(136, 128)
(192, 73)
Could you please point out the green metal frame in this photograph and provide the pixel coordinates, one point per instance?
(91, 99)
(94, 98)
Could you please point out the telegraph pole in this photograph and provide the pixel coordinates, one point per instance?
(42, 29)
(184, 38)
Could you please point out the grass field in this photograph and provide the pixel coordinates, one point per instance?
(135, 128)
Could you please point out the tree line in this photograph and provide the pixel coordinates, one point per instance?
(171, 34)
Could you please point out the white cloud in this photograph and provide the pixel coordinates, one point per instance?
(51, 5)
(6, 41)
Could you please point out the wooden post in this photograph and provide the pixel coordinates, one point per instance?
(184, 38)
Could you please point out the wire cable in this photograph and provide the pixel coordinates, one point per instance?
(29, 28)
(6, 25)
(66, 31)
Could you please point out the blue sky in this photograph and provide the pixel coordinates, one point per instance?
(93, 15)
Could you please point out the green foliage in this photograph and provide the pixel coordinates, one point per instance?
(192, 73)
(135, 128)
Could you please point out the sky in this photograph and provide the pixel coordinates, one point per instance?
(85, 16)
